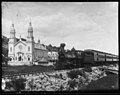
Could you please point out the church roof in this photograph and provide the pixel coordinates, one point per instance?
(19, 42)
(21, 39)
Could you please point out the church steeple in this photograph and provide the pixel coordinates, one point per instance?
(12, 31)
(30, 33)
(12, 41)
(12, 28)
(30, 30)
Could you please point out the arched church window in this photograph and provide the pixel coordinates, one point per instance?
(10, 49)
(10, 59)
(28, 48)
(19, 58)
(28, 59)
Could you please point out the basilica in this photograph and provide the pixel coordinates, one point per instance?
(25, 51)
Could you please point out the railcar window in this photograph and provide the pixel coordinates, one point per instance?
(102, 56)
(109, 56)
(88, 54)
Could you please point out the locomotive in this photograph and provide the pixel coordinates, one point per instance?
(69, 59)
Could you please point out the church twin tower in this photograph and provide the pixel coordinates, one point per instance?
(30, 33)
(20, 50)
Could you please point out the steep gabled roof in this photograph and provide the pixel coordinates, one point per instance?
(19, 42)
(21, 39)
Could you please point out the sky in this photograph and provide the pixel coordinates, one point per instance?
(82, 25)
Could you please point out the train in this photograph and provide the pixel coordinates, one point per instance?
(69, 59)
(95, 57)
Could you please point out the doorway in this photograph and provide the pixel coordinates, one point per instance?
(19, 58)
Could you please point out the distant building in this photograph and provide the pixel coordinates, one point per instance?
(52, 53)
(25, 51)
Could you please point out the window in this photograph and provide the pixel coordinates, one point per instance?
(19, 58)
(28, 48)
(10, 49)
(88, 54)
(10, 59)
(28, 59)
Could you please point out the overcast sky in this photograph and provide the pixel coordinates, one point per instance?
(84, 25)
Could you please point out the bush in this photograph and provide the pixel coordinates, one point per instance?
(72, 84)
(16, 84)
(61, 88)
(74, 74)
(88, 69)
(31, 84)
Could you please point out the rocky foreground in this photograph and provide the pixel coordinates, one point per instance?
(63, 80)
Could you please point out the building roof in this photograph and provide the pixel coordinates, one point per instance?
(91, 50)
(73, 49)
(40, 46)
(21, 39)
(52, 48)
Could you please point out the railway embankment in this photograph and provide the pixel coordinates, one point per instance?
(63, 80)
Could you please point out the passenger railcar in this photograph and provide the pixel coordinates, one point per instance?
(115, 58)
(95, 57)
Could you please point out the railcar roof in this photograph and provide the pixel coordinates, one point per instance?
(91, 50)
(79, 50)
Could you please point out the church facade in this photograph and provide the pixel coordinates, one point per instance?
(25, 51)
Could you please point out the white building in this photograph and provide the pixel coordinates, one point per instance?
(25, 51)
(52, 54)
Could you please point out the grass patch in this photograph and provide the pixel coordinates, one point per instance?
(10, 70)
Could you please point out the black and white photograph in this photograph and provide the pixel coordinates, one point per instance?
(59, 46)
